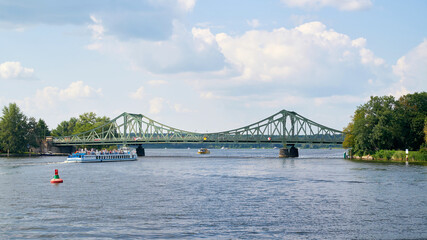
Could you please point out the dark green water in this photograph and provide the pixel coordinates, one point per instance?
(228, 194)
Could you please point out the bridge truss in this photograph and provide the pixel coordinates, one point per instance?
(284, 127)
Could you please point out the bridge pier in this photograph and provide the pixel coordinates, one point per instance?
(285, 152)
(140, 151)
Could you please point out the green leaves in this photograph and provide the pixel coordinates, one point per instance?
(384, 123)
(17, 132)
(85, 122)
(13, 129)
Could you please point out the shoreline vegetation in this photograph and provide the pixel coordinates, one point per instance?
(392, 156)
(32, 154)
(392, 124)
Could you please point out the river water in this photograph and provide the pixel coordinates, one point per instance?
(229, 194)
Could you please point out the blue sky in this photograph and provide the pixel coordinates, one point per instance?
(209, 65)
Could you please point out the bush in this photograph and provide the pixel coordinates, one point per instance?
(384, 154)
(418, 156)
(399, 155)
(379, 154)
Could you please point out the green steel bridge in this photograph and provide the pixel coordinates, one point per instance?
(284, 127)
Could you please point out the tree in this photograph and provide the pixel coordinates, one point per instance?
(384, 123)
(411, 112)
(37, 132)
(425, 131)
(31, 134)
(42, 129)
(84, 122)
(373, 128)
(349, 137)
(88, 121)
(65, 128)
(13, 129)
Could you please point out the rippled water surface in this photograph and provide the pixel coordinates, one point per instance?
(228, 194)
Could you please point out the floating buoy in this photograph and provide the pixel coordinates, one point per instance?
(56, 178)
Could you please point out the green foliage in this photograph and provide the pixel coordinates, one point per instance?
(384, 123)
(88, 121)
(418, 156)
(31, 134)
(399, 155)
(65, 128)
(83, 123)
(384, 154)
(349, 137)
(18, 132)
(424, 146)
(13, 129)
(42, 129)
(111, 148)
(411, 114)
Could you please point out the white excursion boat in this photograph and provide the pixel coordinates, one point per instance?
(84, 156)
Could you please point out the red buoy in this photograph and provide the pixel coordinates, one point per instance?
(56, 178)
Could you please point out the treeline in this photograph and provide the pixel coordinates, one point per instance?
(84, 122)
(384, 123)
(18, 132)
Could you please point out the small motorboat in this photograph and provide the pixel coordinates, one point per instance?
(203, 151)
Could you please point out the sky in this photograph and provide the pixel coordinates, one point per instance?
(209, 65)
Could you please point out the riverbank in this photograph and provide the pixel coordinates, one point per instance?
(392, 156)
(384, 160)
(3, 155)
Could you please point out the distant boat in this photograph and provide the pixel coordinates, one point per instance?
(203, 151)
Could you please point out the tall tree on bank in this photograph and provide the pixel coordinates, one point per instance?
(65, 128)
(13, 129)
(373, 128)
(411, 112)
(384, 123)
(36, 132)
(84, 122)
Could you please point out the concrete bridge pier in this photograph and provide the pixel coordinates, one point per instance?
(291, 152)
(140, 151)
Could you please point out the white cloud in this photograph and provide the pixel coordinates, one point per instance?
(411, 70)
(138, 94)
(187, 5)
(203, 38)
(309, 59)
(309, 56)
(14, 70)
(345, 5)
(156, 105)
(50, 96)
(185, 51)
(254, 23)
(77, 90)
(97, 28)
